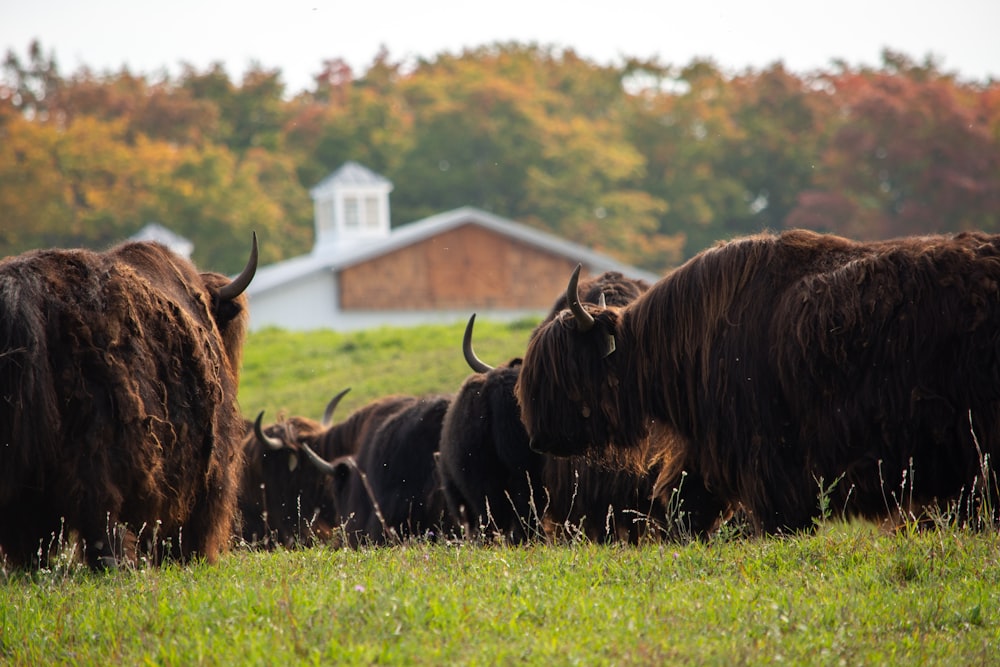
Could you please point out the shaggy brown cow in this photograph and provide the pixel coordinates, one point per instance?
(390, 490)
(284, 500)
(494, 481)
(771, 366)
(118, 380)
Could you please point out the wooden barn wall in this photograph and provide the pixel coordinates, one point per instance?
(467, 267)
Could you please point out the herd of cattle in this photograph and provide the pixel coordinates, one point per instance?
(778, 377)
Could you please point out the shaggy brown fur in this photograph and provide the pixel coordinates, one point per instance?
(284, 499)
(773, 364)
(118, 381)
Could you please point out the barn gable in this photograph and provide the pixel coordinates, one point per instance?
(467, 267)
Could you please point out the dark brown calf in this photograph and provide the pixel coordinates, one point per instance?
(389, 490)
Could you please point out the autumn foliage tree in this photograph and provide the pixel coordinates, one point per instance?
(649, 162)
(345, 117)
(535, 134)
(915, 151)
(89, 159)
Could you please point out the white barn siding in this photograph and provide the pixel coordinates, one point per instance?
(310, 302)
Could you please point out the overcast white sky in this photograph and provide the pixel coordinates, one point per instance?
(297, 35)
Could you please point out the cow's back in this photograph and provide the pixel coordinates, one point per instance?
(119, 397)
(400, 473)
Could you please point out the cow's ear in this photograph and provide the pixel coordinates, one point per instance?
(611, 347)
(226, 312)
(343, 467)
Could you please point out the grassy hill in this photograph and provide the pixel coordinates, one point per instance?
(299, 372)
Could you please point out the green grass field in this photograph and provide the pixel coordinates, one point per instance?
(849, 594)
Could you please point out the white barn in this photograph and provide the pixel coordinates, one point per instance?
(362, 273)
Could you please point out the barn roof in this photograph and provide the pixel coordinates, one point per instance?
(351, 173)
(275, 275)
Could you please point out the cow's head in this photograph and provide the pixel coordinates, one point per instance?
(569, 389)
(282, 438)
(338, 473)
(288, 437)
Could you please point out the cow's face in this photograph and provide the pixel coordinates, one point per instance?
(568, 386)
(276, 460)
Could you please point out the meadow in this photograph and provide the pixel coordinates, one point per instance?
(848, 593)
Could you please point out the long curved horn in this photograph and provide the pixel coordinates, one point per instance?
(475, 363)
(584, 320)
(331, 406)
(242, 281)
(272, 443)
(321, 464)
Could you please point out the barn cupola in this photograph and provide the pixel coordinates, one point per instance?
(351, 205)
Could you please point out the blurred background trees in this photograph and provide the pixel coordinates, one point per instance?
(649, 162)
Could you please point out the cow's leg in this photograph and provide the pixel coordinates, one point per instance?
(209, 525)
(454, 500)
(102, 538)
(28, 534)
(691, 509)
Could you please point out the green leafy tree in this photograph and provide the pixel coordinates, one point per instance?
(531, 133)
(215, 198)
(474, 134)
(684, 123)
(784, 122)
(250, 115)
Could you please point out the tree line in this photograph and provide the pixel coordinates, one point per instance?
(646, 161)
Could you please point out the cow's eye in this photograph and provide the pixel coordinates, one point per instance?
(585, 411)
